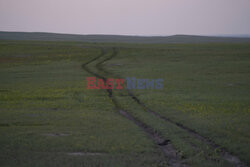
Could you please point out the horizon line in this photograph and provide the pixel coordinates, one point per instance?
(136, 35)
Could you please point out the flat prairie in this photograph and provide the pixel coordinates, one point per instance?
(48, 117)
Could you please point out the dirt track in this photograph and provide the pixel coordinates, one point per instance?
(164, 144)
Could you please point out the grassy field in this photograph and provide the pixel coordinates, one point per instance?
(49, 118)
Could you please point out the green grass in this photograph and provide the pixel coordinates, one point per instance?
(206, 88)
(46, 112)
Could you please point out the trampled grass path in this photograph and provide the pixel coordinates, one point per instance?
(167, 148)
(163, 144)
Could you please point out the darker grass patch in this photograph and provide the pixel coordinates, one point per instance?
(4, 90)
(29, 124)
(44, 98)
(4, 125)
(85, 154)
(56, 134)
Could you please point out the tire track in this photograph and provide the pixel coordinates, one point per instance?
(232, 159)
(169, 151)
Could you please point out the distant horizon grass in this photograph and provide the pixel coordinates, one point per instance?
(109, 38)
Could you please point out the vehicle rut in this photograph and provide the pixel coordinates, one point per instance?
(232, 159)
(173, 159)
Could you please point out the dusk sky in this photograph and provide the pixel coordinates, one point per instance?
(127, 17)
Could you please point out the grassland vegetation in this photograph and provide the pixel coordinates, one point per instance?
(48, 117)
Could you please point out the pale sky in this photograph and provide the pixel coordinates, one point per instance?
(127, 17)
